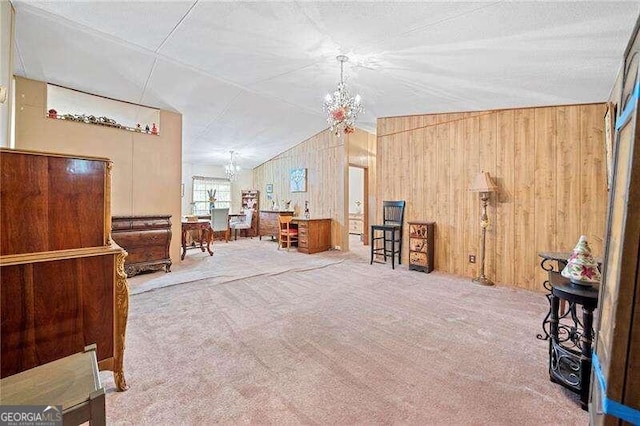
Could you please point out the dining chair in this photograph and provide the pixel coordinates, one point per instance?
(286, 233)
(220, 221)
(244, 222)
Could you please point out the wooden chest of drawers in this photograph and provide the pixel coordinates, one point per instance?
(314, 235)
(268, 223)
(146, 239)
(355, 224)
(421, 246)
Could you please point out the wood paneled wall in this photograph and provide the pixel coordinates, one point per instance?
(326, 158)
(323, 155)
(548, 162)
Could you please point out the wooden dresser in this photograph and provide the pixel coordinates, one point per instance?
(268, 223)
(314, 235)
(63, 283)
(146, 239)
(355, 224)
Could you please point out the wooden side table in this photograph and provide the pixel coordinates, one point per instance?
(204, 228)
(72, 382)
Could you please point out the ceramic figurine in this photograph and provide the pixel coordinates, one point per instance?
(138, 128)
(53, 113)
(307, 215)
(146, 129)
(154, 129)
(582, 268)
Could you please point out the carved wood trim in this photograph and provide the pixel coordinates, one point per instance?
(107, 204)
(44, 256)
(54, 154)
(31, 355)
(121, 313)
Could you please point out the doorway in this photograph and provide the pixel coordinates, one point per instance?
(358, 209)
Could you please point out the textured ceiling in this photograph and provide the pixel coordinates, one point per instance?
(251, 76)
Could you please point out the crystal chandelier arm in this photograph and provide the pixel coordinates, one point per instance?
(342, 109)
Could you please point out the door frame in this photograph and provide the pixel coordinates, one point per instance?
(365, 202)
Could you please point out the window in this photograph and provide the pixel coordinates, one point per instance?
(203, 186)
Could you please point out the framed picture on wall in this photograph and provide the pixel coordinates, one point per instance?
(269, 188)
(298, 180)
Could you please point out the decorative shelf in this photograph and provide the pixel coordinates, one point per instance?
(104, 124)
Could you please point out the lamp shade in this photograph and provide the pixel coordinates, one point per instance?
(483, 183)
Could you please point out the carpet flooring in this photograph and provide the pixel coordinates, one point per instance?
(329, 339)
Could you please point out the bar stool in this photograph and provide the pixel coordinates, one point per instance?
(391, 228)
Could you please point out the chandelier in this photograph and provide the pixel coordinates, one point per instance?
(232, 170)
(342, 110)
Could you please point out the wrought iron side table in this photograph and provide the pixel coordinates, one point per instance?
(548, 259)
(554, 262)
(570, 336)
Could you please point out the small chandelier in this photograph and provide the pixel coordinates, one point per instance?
(232, 170)
(342, 109)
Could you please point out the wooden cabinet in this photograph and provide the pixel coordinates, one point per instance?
(421, 246)
(314, 235)
(146, 239)
(355, 223)
(268, 222)
(63, 283)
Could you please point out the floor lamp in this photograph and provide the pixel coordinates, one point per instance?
(485, 186)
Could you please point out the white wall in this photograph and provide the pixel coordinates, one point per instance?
(356, 189)
(6, 69)
(145, 179)
(245, 181)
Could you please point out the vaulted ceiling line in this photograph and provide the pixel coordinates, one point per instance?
(157, 55)
(174, 29)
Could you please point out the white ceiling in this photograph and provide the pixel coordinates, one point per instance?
(250, 76)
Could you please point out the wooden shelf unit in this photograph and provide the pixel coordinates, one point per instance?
(252, 194)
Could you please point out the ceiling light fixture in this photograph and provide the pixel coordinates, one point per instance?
(232, 170)
(342, 109)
